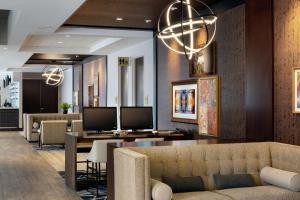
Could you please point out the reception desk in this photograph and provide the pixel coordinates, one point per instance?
(79, 144)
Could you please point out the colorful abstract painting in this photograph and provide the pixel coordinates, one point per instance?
(296, 90)
(184, 98)
(208, 106)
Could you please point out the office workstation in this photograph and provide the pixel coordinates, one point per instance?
(136, 124)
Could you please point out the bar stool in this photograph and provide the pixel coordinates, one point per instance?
(97, 155)
(149, 139)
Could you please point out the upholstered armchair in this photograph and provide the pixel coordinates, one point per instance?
(53, 132)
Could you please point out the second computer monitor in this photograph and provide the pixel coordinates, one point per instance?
(136, 118)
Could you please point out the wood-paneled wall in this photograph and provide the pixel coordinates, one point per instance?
(259, 69)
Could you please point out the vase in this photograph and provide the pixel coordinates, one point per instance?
(65, 111)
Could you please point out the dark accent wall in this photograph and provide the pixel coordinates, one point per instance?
(230, 40)
(286, 56)
(231, 68)
(259, 69)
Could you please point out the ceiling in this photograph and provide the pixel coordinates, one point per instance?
(36, 27)
(134, 13)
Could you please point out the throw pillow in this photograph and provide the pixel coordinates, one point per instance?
(160, 191)
(233, 181)
(35, 125)
(184, 184)
(281, 178)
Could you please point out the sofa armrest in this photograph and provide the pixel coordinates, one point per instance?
(132, 175)
(285, 157)
(29, 122)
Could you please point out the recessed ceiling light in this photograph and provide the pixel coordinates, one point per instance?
(119, 19)
(59, 42)
(148, 21)
(67, 36)
(4, 48)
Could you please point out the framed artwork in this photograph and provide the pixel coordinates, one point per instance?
(123, 61)
(209, 105)
(203, 63)
(296, 90)
(184, 101)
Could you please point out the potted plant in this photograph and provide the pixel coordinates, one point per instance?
(65, 107)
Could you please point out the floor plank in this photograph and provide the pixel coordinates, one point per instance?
(25, 175)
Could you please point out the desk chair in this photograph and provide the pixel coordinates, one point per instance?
(98, 155)
(149, 139)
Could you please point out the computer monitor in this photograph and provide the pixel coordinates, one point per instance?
(136, 118)
(99, 119)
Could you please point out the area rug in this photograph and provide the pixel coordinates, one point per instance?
(89, 194)
(35, 146)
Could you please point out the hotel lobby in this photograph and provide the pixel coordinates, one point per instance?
(150, 100)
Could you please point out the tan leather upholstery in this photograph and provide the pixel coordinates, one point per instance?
(53, 132)
(206, 160)
(32, 135)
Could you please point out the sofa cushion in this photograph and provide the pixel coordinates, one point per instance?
(206, 195)
(281, 178)
(233, 181)
(184, 184)
(260, 193)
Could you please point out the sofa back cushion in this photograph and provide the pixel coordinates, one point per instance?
(285, 157)
(55, 116)
(207, 160)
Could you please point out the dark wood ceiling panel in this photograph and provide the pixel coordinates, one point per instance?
(103, 13)
(56, 59)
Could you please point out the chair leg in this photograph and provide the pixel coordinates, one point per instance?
(87, 175)
(96, 173)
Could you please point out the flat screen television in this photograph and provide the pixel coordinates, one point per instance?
(136, 118)
(99, 119)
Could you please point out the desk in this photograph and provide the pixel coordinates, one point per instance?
(78, 144)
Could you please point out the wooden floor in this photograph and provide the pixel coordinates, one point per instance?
(56, 158)
(25, 175)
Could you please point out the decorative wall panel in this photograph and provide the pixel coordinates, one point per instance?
(286, 56)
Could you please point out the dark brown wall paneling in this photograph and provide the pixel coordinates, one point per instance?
(259, 69)
(230, 60)
(231, 68)
(286, 56)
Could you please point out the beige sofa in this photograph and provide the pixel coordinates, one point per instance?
(134, 167)
(31, 134)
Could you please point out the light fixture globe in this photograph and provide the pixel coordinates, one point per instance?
(53, 75)
(187, 26)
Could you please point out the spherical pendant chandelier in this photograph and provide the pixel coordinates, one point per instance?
(187, 26)
(53, 75)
